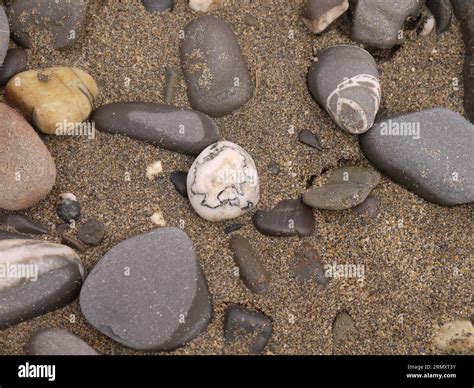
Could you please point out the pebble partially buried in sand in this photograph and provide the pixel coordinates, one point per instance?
(223, 182)
(214, 68)
(52, 98)
(345, 82)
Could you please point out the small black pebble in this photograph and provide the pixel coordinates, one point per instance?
(274, 168)
(232, 228)
(158, 5)
(310, 139)
(92, 232)
(178, 178)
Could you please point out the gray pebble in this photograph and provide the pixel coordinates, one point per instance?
(23, 224)
(58, 342)
(91, 232)
(173, 128)
(215, 71)
(14, 63)
(428, 152)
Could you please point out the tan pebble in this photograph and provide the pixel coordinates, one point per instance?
(50, 98)
(158, 219)
(455, 336)
(153, 170)
(204, 5)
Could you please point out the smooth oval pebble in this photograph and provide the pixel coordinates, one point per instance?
(429, 152)
(378, 23)
(158, 5)
(68, 210)
(53, 98)
(173, 128)
(345, 82)
(251, 269)
(290, 217)
(14, 63)
(217, 77)
(242, 325)
(58, 23)
(344, 188)
(343, 327)
(58, 342)
(148, 292)
(36, 277)
(27, 170)
(223, 182)
(4, 34)
(319, 14)
(23, 224)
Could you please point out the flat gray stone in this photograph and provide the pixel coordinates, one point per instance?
(428, 152)
(148, 292)
(36, 277)
(58, 342)
(377, 23)
(344, 188)
(214, 68)
(173, 128)
(345, 82)
(58, 23)
(290, 217)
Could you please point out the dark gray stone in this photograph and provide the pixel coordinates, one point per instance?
(36, 277)
(442, 11)
(251, 269)
(307, 265)
(4, 34)
(73, 243)
(50, 22)
(344, 188)
(23, 224)
(232, 228)
(460, 7)
(179, 178)
(307, 137)
(148, 292)
(215, 71)
(158, 5)
(176, 129)
(290, 217)
(431, 156)
(241, 322)
(91, 232)
(274, 168)
(345, 82)
(58, 342)
(377, 23)
(68, 210)
(14, 63)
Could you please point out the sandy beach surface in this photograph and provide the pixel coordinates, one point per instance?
(415, 255)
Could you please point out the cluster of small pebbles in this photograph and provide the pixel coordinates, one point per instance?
(150, 292)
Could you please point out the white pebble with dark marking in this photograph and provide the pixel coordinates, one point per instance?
(223, 182)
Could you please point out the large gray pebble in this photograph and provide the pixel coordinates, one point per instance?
(345, 82)
(216, 74)
(378, 23)
(58, 342)
(4, 34)
(46, 22)
(429, 152)
(36, 277)
(173, 128)
(148, 292)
